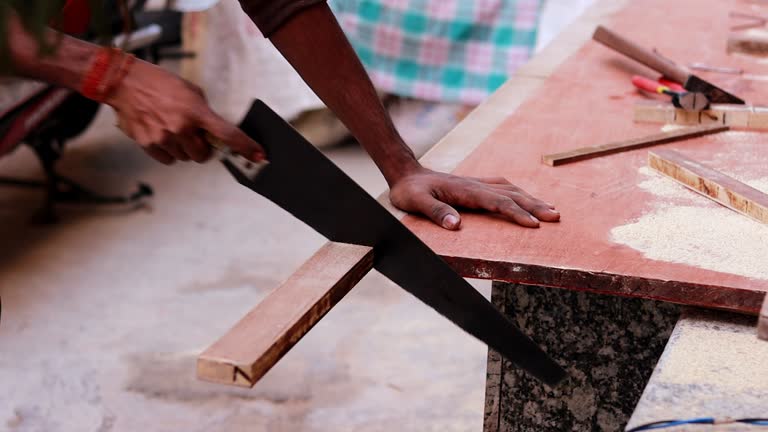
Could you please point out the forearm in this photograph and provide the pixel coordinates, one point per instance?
(315, 45)
(64, 67)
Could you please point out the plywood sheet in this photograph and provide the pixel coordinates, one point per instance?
(621, 232)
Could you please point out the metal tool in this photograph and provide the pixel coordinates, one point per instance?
(681, 98)
(247, 168)
(719, 69)
(306, 184)
(670, 70)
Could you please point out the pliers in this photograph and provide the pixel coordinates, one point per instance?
(681, 98)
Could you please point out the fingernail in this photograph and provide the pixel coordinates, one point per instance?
(553, 211)
(450, 221)
(536, 221)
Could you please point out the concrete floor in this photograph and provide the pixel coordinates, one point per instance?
(104, 313)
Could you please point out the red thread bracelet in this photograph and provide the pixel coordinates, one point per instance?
(102, 78)
(92, 81)
(119, 75)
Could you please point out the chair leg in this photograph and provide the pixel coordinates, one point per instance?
(46, 215)
(60, 189)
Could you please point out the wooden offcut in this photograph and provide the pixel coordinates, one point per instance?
(735, 116)
(754, 43)
(711, 183)
(584, 153)
(266, 333)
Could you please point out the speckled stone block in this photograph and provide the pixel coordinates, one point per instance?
(608, 344)
(713, 366)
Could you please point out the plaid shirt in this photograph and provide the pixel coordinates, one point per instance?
(440, 50)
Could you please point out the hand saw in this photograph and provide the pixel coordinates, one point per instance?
(302, 181)
(691, 82)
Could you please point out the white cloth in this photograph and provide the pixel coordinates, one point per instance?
(181, 5)
(235, 64)
(555, 16)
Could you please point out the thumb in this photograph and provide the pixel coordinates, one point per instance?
(440, 213)
(231, 136)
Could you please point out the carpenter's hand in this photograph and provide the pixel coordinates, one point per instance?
(432, 194)
(168, 117)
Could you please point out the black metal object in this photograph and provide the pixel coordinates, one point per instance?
(302, 181)
(714, 93)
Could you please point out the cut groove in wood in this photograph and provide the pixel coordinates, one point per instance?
(713, 184)
(584, 153)
(735, 116)
(247, 351)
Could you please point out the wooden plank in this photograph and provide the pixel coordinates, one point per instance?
(735, 116)
(711, 183)
(585, 153)
(604, 242)
(762, 321)
(267, 332)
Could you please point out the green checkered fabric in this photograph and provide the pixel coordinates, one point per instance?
(440, 50)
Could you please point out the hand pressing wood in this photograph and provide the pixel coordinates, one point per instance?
(633, 144)
(711, 183)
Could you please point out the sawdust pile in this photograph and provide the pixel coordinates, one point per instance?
(689, 229)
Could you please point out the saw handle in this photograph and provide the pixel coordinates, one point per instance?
(640, 54)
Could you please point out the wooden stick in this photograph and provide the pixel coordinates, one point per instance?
(711, 183)
(753, 43)
(762, 322)
(735, 116)
(268, 331)
(633, 144)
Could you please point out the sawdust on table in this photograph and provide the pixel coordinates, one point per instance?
(684, 227)
(671, 127)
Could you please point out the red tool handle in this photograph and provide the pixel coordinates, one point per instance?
(647, 84)
(672, 85)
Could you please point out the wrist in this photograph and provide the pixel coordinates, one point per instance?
(400, 165)
(105, 74)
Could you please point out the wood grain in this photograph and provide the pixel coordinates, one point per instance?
(585, 153)
(711, 183)
(735, 116)
(247, 351)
